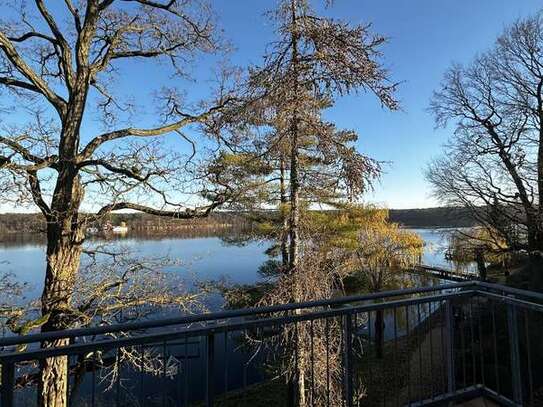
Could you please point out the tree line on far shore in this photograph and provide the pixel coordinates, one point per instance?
(34, 223)
(414, 218)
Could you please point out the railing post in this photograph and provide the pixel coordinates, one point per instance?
(449, 328)
(8, 384)
(210, 362)
(348, 357)
(512, 326)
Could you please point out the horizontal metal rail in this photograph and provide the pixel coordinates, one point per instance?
(188, 319)
(505, 290)
(166, 322)
(445, 273)
(104, 345)
(452, 317)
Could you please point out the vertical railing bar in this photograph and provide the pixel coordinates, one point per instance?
(8, 384)
(383, 368)
(431, 332)
(472, 337)
(142, 356)
(290, 382)
(210, 364)
(408, 356)
(481, 350)
(341, 342)
(396, 375)
(226, 361)
(463, 345)
(93, 391)
(348, 369)
(244, 373)
(164, 373)
(356, 380)
(370, 364)
(495, 346)
(186, 373)
(327, 339)
(514, 352)
(419, 340)
(69, 391)
(312, 361)
(443, 351)
(529, 356)
(296, 356)
(451, 370)
(118, 378)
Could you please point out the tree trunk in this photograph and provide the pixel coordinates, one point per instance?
(535, 242)
(481, 266)
(64, 239)
(294, 218)
(284, 217)
(62, 266)
(294, 202)
(294, 159)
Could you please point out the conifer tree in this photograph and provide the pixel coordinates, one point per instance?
(311, 162)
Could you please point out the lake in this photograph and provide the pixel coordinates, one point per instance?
(194, 258)
(207, 256)
(436, 243)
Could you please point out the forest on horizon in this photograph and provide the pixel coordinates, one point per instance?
(418, 217)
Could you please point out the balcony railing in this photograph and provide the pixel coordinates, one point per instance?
(424, 346)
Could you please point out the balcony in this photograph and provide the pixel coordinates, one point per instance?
(457, 343)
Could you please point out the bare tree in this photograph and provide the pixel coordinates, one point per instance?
(493, 164)
(114, 285)
(57, 68)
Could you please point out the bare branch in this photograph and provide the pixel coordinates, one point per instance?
(187, 213)
(75, 14)
(187, 119)
(37, 196)
(39, 83)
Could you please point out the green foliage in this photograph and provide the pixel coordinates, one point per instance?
(374, 249)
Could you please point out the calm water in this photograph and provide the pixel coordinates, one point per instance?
(436, 244)
(196, 258)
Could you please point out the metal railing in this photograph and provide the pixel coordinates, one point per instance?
(423, 346)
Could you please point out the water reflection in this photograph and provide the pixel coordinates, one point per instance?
(195, 256)
(201, 254)
(437, 243)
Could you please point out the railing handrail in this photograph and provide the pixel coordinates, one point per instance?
(509, 290)
(159, 323)
(108, 344)
(164, 322)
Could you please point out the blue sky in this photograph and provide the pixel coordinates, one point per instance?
(425, 37)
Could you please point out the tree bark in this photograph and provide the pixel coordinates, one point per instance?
(284, 217)
(294, 207)
(294, 200)
(481, 266)
(64, 240)
(63, 258)
(294, 158)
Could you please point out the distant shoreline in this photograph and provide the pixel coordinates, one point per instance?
(425, 218)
